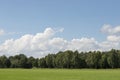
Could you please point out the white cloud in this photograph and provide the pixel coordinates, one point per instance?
(83, 44)
(2, 32)
(28, 43)
(58, 44)
(114, 38)
(44, 43)
(107, 45)
(61, 30)
(41, 44)
(111, 30)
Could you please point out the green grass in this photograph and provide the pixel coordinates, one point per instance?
(59, 74)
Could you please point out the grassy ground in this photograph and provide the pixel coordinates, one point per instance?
(59, 74)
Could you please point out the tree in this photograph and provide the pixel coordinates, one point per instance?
(59, 60)
(50, 60)
(32, 62)
(67, 63)
(66, 59)
(96, 59)
(76, 61)
(103, 61)
(22, 60)
(18, 61)
(4, 62)
(89, 60)
(113, 59)
(42, 63)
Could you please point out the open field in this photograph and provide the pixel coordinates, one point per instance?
(59, 74)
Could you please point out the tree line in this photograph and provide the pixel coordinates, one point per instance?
(67, 59)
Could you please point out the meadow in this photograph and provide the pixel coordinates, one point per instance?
(59, 74)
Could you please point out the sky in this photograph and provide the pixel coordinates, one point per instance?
(38, 27)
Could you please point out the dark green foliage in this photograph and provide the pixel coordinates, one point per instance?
(18, 61)
(4, 62)
(113, 59)
(103, 61)
(95, 59)
(59, 60)
(42, 63)
(32, 62)
(66, 59)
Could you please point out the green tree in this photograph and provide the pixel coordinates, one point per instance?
(50, 60)
(113, 59)
(42, 63)
(4, 62)
(32, 62)
(67, 60)
(103, 61)
(59, 60)
(18, 61)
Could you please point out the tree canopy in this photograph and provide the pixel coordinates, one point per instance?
(67, 59)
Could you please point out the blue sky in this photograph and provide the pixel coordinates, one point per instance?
(79, 18)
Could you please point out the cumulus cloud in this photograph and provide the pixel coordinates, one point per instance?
(2, 32)
(41, 44)
(83, 44)
(28, 43)
(113, 38)
(111, 30)
(108, 45)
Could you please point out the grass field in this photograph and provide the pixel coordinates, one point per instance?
(59, 74)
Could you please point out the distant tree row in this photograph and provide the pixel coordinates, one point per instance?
(66, 59)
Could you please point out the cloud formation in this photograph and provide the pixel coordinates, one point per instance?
(111, 30)
(113, 38)
(41, 44)
(2, 32)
